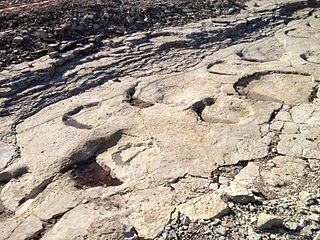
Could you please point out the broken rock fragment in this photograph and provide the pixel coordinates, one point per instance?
(266, 221)
(307, 198)
(205, 207)
(78, 220)
(26, 229)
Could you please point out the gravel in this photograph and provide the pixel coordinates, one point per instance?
(27, 33)
(285, 218)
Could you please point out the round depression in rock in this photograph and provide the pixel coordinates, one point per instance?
(264, 51)
(312, 56)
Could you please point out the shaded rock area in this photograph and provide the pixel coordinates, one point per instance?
(208, 130)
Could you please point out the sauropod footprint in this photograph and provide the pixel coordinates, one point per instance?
(301, 32)
(312, 56)
(228, 110)
(263, 51)
(289, 87)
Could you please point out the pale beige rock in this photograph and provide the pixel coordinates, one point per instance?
(6, 153)
(152, 220)
(49, 164)
(264, 51)
(248, 177)
(287, 171)
(240, 189)
(229, 110)
(18, 40)
(314, 217)
(110, 228)
(208, 206)
(301, 113)
(297, 88)
(180, 127)
(283, 116)
(310, 131)
(290, 127)
(21, 230)
(13, 171)
(74, 223)
(266, 221)
(253, 149)
(282, 172)
(298, 145)
(307, 198)
(55, 206)
(264, 128)
(277, 125)
(238, 194)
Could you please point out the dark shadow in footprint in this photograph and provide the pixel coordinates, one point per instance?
(199, 106)
(128, 96)
(69, 121)
(140, 103)
(93, 175)
(311, 56)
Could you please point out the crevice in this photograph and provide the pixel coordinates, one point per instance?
(222, 74)
(37, 190)
(227, 171)
(314, 94)
(176, 180)
(287, 32)
(49, 224)
(17, 151)
(210, 65)
(274, 114)
(273, 147)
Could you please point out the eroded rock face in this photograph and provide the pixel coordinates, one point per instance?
(149, 146)
(25, 229)
(67, 227)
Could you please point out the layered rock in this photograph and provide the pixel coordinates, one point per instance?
(146, 146)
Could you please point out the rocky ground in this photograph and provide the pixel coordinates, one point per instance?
(206, 130)
(64, 25)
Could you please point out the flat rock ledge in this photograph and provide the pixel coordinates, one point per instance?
(206, 131)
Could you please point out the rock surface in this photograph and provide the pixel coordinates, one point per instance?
(201, 131)
(266, 221)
